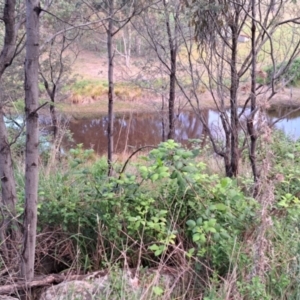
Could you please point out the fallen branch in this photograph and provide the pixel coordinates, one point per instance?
(45, 281)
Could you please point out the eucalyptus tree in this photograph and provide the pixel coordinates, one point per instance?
(55, 69)
(159, 26)
(273, 29)
(12, 43)
(116, 14)
(33, 11)
(73, 21)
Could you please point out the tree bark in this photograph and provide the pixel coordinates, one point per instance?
(110, 127)
(234, 119)
(172, 77)
(8, 185)
(53, 118)
(32, 141)
(250, 125)
(51, 94)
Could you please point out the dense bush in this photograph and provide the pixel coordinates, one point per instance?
(292, 74)
(166, 209)
(166, 198)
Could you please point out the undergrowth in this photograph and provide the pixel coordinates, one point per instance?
(167, 212)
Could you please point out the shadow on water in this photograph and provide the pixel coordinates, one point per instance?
(134, 130)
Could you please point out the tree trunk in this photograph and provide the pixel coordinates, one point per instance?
(234, 120)
(53, 118)
(32, 141)
(250, 125)
(173, 56)
(163, 132)
(51, 94)
(9, 196)
(8, 184)
(110, 127)
(172, 94)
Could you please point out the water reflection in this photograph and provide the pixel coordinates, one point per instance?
(290, 120)
(133, 130)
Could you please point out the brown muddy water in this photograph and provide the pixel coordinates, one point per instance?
(134, 130)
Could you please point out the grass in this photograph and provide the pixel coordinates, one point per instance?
(98, 89)
(99, 108)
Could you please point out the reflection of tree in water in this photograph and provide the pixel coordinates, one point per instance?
(288, 113)
(133, 130)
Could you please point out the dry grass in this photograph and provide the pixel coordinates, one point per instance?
(95, 109)
(89, 95)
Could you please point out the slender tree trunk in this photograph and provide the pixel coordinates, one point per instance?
(53, 112)
(173, 57)
(172, 94)
(8, 193)
(8, 184)
(163, 132)
(51, 94)
(54, 119)
(127, 46)
(32, 141)
(110, 127)
(227, 153)
(250, 125)
(234, 155)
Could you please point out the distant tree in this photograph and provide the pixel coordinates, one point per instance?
(160, 28)
(117, 14)
(219, 26)
(55, 68)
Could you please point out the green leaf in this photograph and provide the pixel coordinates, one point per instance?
(212, 222)
(154, 247)
(154, 177)
(196, 152)
(216, 236)
(179, 165)
(290, 155)
(158, 291)
(283, 203)
(212, 230)
(159, 251)
(196, 237)
(191, 223)
(225, 182)
(202, 238)
(187, 154)
(220, 206)
(199, 221)
(173, 175)
(190, 252)
(164, 174)
(189, 169)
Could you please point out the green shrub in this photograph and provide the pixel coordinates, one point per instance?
(167, 201)
(168, 197)
(291, 75)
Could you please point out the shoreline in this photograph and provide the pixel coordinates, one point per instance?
(151, 104)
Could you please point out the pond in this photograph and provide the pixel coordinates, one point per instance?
(134, 130)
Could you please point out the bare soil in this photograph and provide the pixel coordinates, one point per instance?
(93, 66)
